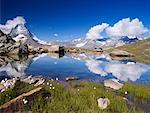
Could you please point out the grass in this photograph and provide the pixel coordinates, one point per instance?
(141, 50)
(19, 88)
(80, 97)
(139, 91)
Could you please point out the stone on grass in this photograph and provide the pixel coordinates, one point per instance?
(113, 83)
(103, 103)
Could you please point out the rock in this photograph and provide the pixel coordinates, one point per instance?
(121, 53)
(71, 78)
(103, 103)
(10, 46)
(23, 49)
(6, 43)
(113, 83)
(1, 33)
(1, 87)
(20, 33)
(40, 81)
(29, 80)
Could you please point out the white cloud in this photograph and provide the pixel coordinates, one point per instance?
(127, 27)
(56, 35)
(11, 24)
(95, 32)
(125, 72)
(93, 66)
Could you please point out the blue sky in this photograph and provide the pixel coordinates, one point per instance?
(72, 19)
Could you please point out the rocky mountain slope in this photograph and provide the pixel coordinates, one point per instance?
(19, 40)
(140, 50)
(21, 33)
(7, 44)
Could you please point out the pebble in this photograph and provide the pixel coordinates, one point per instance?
(103, 103)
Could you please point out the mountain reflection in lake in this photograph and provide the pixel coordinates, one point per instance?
(87, 67)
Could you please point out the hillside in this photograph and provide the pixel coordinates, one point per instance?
(141, 50)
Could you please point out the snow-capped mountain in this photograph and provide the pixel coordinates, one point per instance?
(129, 40)
(21, 33)
(104, 43)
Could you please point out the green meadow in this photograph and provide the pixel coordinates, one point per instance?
(80, 97)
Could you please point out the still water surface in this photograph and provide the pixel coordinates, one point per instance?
(87, 67)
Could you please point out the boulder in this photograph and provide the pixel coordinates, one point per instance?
(113, 83)
(103, 103)
(121, 53)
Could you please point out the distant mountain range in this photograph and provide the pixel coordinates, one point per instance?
(101, 43)
(21, 33)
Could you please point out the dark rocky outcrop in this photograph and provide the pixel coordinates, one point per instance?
(7, 44)
(23, 49)
(21, 41)
(10, 46)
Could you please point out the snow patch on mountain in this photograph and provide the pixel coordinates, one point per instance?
(41, 41)
(20, 37)
(81, 44)
(76, 40)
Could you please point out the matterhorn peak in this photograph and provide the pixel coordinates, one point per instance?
(20, 32)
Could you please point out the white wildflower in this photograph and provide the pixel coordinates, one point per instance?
(125, 92)
(57, 78)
